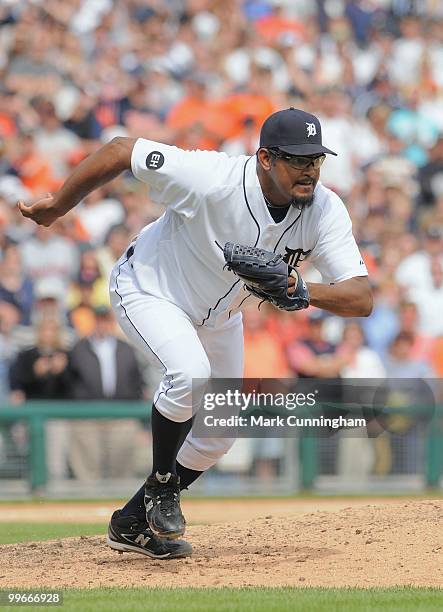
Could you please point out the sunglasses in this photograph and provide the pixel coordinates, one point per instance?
(301, 162)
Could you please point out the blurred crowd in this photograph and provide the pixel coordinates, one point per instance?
(205, 74)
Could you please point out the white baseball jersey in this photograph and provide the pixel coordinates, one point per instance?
(211, 199)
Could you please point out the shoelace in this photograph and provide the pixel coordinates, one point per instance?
(168, 500)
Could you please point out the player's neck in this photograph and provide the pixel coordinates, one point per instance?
(271, 196)
(274, 200)
(271, 205)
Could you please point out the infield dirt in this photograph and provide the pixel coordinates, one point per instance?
(359, 545)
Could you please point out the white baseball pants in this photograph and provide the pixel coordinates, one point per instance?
(165, 333)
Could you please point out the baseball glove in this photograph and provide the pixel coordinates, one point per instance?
(265, 275)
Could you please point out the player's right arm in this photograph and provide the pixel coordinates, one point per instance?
(96, 170)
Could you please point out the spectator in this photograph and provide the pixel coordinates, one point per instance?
(49, 297)
(117, 239)
(9, 319)
(409, 322)
(98, 214)
(15, 287)
(361, 361)
(313, 356)
(263, 357)
(432, 216)
(287, 327)
(82, 121)
(40, 373)
(103, 368)
(337, 128)
(9, 324)
(419, 264)
(430, 303)
(431, 175)
(381, 327)
(436, 357)
(52, 139)
(49, 256)
(356, 452)
(244, 144)
(408, 51)
(401, 362)
(81, 314)
(4, 372)
(193, 117)
(89, 273)
(13, 230)
(33, 168)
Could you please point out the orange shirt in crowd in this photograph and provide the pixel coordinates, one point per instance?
(370, 262)
(264, 357)
(271, 27)
(436, 357)
(218, 120)
(193, 112)
(7, 125)
(287, 327)
(83, 320)
(241, 106)
(422, 346)
(36, 174)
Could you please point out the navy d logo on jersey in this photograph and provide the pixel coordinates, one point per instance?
(155, 160)
(295, 256)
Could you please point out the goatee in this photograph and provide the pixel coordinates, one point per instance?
(302, 203)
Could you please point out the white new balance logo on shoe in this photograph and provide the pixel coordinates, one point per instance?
(141, 539)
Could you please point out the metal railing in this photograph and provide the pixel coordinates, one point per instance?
(36, 413)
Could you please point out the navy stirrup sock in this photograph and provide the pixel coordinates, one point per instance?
(167, 438)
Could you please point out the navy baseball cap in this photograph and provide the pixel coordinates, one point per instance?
(293, 131)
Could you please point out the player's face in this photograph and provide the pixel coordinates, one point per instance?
(289, 177)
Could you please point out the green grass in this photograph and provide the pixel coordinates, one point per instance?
(431, 493)
(252, 600)
(34, 532)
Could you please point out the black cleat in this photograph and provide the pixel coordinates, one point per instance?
(130, 534)
(162, 502)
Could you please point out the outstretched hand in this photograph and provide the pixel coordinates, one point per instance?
(43, 212)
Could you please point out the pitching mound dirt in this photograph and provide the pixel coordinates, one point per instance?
(369, 546)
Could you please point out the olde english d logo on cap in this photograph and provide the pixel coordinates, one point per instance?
(311, 129)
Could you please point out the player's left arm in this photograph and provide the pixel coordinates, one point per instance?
(345, 290)
(349, 298)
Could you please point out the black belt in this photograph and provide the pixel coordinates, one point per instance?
(130, 251)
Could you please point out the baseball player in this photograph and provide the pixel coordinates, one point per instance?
(177, 301)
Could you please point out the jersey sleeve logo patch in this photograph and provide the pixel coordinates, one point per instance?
(155, 160)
